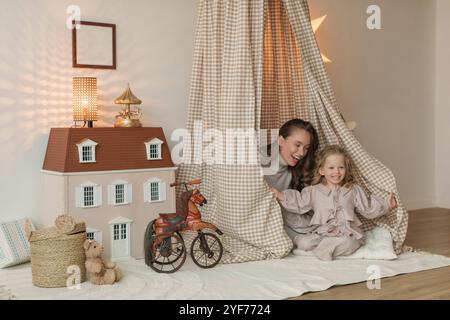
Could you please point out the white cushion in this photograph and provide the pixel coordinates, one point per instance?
(14, 245)
(378, 246)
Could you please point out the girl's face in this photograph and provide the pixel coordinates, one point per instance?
(294, 147)
(334, 169)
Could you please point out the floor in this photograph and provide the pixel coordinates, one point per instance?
(428, 230)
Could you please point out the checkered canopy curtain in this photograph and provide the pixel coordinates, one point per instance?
(256, 65)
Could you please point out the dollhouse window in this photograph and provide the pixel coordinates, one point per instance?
(123, 231)
(119, 193)
(153, 148)
(86, 151)
(120, 231)
(120, 196)
(88, 195)
(154, 151)
(116, 232)
(154, 190)
(87, 154)
(93, 234)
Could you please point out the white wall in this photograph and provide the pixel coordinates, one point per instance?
(385, 80)
(154, 46)
(442, 142)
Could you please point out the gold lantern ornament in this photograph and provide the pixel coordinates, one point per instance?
(128, 118)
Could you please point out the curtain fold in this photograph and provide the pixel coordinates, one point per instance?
(324, 114)
(225, 98)
(256, 65)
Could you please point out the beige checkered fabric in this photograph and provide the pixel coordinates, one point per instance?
(324, 114)
(257, 65)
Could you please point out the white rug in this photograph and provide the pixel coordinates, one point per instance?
(270, 279)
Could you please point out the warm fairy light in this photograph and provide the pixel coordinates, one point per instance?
(316, 25)
(84, 99)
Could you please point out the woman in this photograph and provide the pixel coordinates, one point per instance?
(297, 143)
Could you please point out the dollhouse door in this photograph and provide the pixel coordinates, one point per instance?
(121, 241)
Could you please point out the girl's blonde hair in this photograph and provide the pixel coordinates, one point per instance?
(349, 178)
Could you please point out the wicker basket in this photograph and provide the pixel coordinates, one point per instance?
(54, 250)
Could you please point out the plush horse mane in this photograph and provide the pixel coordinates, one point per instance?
(182, 202)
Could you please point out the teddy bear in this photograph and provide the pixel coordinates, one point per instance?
(97, 270)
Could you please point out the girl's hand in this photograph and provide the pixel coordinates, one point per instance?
(279, 195)
(392, 201)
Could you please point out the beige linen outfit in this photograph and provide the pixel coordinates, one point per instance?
(294, 223)
(335, 226)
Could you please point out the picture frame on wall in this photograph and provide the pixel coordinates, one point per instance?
(93, 45)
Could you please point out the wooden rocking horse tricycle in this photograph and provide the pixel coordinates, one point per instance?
(164, 246)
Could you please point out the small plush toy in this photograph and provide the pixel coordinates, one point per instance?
(98, 271)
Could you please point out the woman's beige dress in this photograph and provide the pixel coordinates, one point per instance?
(335, 225)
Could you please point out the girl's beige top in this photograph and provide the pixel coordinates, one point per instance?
(334, 209)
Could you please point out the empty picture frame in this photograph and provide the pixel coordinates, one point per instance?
(93, 45)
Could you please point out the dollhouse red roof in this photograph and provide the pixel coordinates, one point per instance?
(116, 149)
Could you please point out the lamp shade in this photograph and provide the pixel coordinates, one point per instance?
(84, 99)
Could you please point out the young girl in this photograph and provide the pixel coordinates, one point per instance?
(333, 197)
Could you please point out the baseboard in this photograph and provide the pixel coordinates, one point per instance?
(444, 203)
(416, 204)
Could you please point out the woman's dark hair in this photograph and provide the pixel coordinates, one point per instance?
(303, 172)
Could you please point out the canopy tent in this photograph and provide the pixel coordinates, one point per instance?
(257, 65)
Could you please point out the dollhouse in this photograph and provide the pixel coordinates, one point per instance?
(116, 180)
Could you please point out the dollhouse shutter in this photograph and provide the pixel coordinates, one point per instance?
(79, 193)
(111, 194)
(147, 192)
(129, 192)
(98, 196)
(162, 190)
(99, 237)
(159, 151)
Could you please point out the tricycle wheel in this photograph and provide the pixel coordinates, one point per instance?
(169, 255)
(206, 250)
(167, 248)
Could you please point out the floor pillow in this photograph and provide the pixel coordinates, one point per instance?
(14, 245)
(378, 246)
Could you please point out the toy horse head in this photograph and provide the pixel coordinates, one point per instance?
(198, 198)
(193, 196)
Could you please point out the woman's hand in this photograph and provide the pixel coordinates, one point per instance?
(279, 195)
(392, 201)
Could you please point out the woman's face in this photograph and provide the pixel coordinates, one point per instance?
(294, 147)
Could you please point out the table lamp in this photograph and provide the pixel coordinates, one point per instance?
(85, 100)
